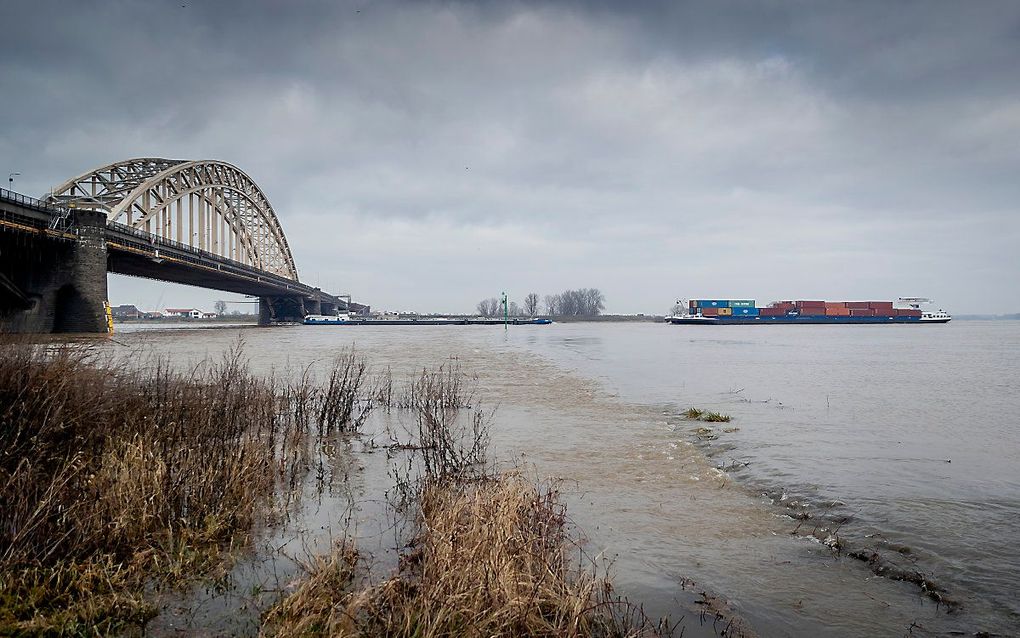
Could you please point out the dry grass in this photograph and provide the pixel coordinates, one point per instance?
(115, 477)
(451, 433)
(443, 388)
(116, 480)
(339, 401)
(491, 557)
(488, 555)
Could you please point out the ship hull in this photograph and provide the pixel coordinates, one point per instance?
(331, 321)
(765, 320)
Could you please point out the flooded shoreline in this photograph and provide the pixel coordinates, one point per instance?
(682, 520)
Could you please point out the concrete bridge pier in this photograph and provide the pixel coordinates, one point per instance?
(55, 286)
(313, 306)
(276, 309)
(81, 303)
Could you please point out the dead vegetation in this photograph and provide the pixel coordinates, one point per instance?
(487, 554)
(118, 480)
(340, 408)
(491, 556)
(116, 477)
(449, 433)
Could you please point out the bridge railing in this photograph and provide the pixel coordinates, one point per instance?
(31, 202)
(59, 215)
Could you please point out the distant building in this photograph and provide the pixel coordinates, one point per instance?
(184, 313)
(125, 312)
(152, 315)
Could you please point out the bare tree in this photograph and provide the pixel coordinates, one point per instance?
(570, 303)
(513, 310)
(552, 305)
(220, 307)
(531, 304)
(583, 302)
(594, 301)
(491, 307)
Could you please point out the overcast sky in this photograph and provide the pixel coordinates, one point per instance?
(427, 155)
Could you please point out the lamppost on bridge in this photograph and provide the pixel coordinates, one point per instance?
(10, 180)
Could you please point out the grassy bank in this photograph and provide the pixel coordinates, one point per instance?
(120, 480)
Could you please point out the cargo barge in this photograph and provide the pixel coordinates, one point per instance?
(745, 312)
(347, 320)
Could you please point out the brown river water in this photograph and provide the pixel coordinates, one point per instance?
(902, 439)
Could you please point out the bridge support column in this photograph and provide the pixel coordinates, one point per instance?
(81, 303)
(281, 309)
(55, 285)
(313, 306)
(265, 311)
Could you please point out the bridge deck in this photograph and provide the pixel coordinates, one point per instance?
(138, 253)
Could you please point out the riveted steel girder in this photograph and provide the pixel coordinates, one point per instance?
(206, 204)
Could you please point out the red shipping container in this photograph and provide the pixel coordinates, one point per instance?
(880, 305)
(772, 312)
(801, 304)
(835, 304)
(857, 304)
(837, 311)
(862, 312)
(907, 312)
(710, 312)
(784, 305)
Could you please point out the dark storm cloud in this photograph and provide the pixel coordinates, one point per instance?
(430, 154)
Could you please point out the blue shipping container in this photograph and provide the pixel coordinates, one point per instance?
(741, 303)
(745, 312)
(713, 303)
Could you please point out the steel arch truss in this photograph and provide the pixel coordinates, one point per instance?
(209, 205)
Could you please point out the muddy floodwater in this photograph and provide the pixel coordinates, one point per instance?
(855, 453)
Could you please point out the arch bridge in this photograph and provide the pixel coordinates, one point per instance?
(204, 223)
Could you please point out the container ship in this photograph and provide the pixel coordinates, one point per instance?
(344, 319)
(745, 312)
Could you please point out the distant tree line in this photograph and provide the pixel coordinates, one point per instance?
(583, 302)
